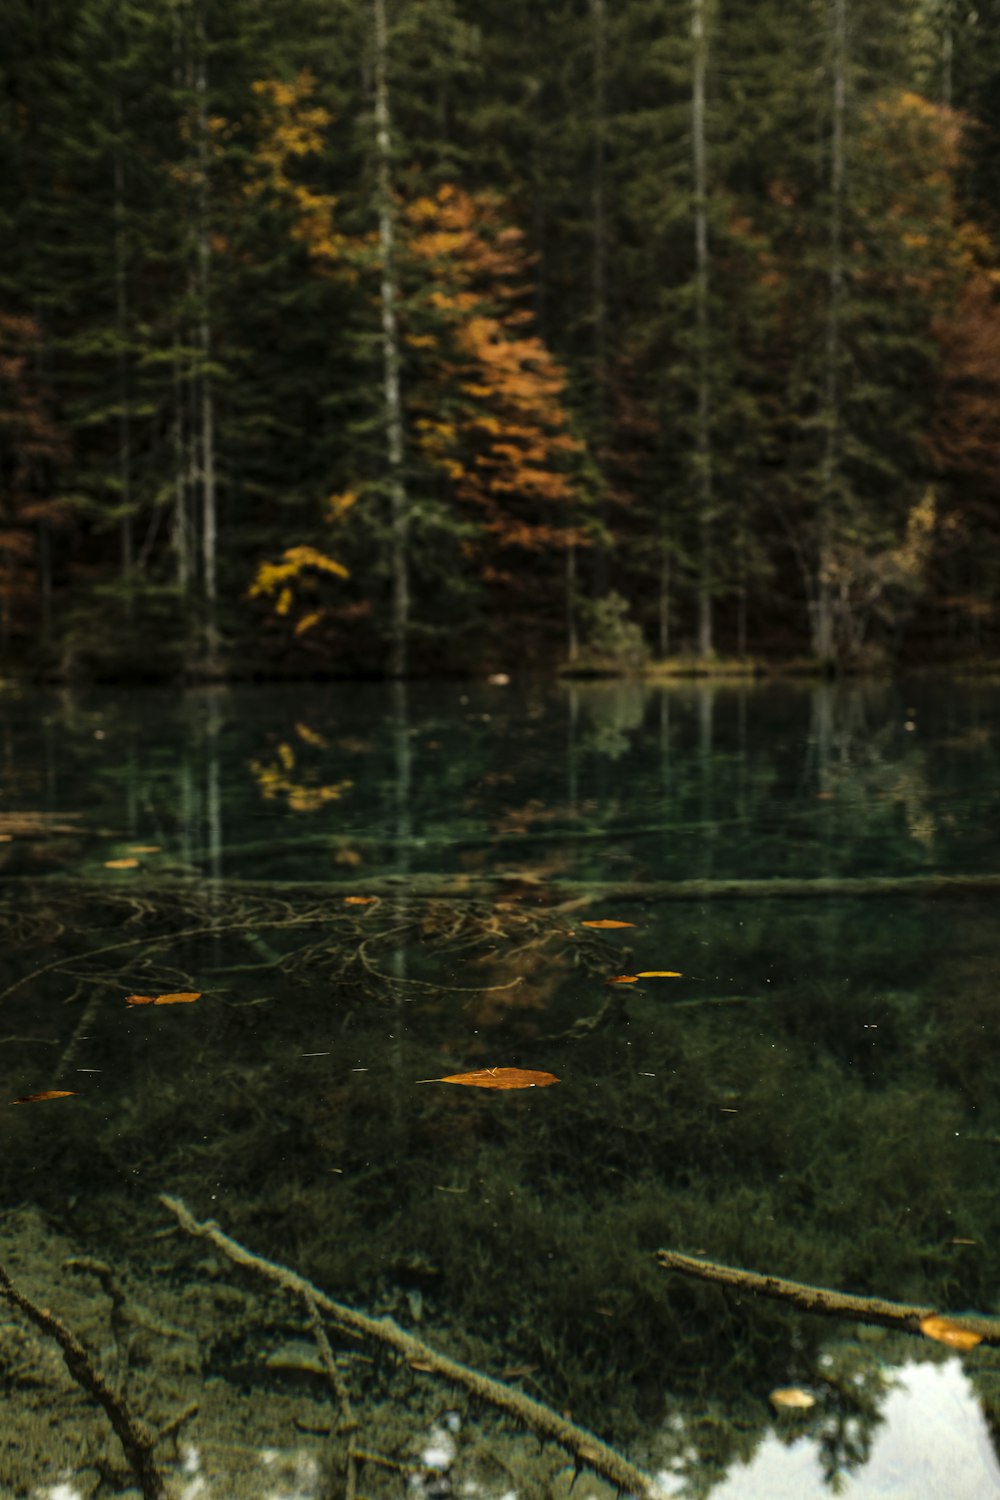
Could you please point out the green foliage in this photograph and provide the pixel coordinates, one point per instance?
(190, 199)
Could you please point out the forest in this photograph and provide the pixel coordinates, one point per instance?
(384, 337)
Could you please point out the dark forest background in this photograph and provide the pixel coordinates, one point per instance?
(420, 335)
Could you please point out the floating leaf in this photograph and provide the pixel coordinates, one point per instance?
(121, 864)
(947, 1332)
(623, 979)
(183, 997)
(499, 1078)
(792, 1397)
(606, 922)
(45, 1094)
(658, 974)
(360, 900)
(144, 848)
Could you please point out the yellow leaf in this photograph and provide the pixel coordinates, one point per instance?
(183, 997)
(658, 974)
(121, 864)
(606, 922)
(792, 1397)
(499, 1078)
(144, 848)
(947, 1332)
(623, 979)
(46, 1094)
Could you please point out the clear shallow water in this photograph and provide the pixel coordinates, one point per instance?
(817, 1095)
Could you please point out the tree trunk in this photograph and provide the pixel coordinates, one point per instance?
(599, 278)
(393, 406)
(823, 618)
(121, 362)
(572, 638)
(663, 592)
(703, 446)
(207, 400)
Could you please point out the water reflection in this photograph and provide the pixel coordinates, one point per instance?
(933, 1440)
(816, 1096)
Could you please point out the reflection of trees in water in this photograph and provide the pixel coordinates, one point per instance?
(803, 1101)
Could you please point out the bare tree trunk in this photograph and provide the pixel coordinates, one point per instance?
(393, 406)
(663, 592)
(599, 275)
(121, 362)
(181, 535)
(572, 637)
(823, 631)
(207, 400)
(703, 447)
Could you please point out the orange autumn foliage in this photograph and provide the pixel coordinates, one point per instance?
(493, 419)
(499, 1078)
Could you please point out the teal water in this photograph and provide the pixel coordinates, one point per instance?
(817, 1096)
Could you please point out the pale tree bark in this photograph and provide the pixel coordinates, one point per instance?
(599, 272)
(181, 529)
(121, 361)
(823, 605)
(180, 538)
(663, 591)
(392, 398)
(703, 437)
(206, 414)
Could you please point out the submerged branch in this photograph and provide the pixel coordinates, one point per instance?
(584, 1446)
(135, 1438)
(511, 883)
(903, 1316)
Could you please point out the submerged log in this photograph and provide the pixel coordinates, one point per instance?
(903, 1316)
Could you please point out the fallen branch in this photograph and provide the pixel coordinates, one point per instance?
(817, 1299)
(584, 1446)
(135, 1438)
(507, 883)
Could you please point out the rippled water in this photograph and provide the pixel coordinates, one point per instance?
(371, 886)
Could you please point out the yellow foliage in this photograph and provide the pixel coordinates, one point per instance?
(339, 505)
(304, 797)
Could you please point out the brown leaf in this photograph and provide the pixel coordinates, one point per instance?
(45, 1094)
(947, 1332)
(793, 1397)
(359, 900)
(144, 848)
(183, 997)
(658, 974)
(606, 922)
(499, 1078)
(121, 864)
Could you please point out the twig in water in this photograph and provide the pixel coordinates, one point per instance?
(134, 1436)
(818, 1299)
(583, 1445)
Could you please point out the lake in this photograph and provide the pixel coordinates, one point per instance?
(246, 932)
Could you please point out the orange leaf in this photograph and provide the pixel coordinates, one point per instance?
(121, 864)
(793, 1397)
(658, 974)
(499, 1078)
(360, 900)
(183, 997)
(46, 1094)
(623, 979)
(606, 922)
(947, 1332)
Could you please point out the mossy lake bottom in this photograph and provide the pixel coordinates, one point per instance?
(371, 887)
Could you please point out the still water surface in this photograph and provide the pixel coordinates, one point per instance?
(817, 1095)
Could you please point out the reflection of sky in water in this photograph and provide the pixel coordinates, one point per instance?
(933, 1445)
